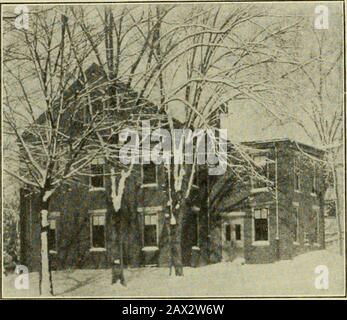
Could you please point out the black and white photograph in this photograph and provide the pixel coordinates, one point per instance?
(173, 150)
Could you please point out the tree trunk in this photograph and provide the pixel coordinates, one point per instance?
(117, 258)
(116, 197)
(169, 229)
(46, 286)
(121, 253)
(177, 252)
(177, 239)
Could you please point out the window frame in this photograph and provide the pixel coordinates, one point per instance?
(227, 232)
(151, 215)
(93, 213)
(254, 187)
(236, 233)
(150, 211)
(99, 162)
(261, 242)
(151, 184)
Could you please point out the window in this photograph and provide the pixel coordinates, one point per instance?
(314, 179)
(296, 224)
(237, 232)
(296, 174)
(262, 170)
(97, 175)
(227, 232)
(52, 235)
(150, 229)
(98, 230)
(261, 232)
(149, 173)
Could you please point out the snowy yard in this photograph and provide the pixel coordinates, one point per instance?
(284, 278)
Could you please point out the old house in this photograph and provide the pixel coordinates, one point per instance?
(259, 219)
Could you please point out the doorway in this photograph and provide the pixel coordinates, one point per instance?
(233, 236)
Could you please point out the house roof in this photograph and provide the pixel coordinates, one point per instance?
(268, 143)
(96, 73)
(134, 104)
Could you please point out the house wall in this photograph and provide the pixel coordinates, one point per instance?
(283, 246)
(75, 203)
(306, 202)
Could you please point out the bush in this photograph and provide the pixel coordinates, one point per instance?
(11, 239)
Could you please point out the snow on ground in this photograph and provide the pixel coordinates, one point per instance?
(283, 278)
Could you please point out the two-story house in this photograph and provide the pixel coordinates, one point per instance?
(261, 220)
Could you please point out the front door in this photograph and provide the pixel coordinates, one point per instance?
(232, 238)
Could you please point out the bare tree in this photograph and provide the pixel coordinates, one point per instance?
(315, 102)
(126, 56)
(44, 111)
(208, 59)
